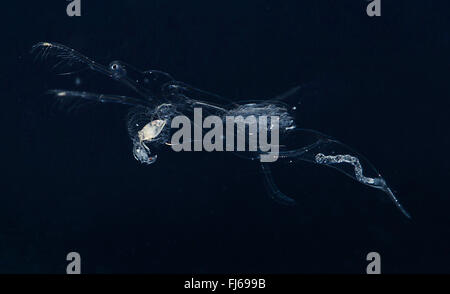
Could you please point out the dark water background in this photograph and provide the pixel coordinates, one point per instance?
(378, 84)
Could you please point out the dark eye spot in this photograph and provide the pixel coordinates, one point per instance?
(114, 66)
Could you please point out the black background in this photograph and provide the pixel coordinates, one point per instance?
(378, 84)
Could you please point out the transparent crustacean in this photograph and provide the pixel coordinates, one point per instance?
(161, 98)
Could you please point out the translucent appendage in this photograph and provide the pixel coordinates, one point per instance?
(377, 182)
